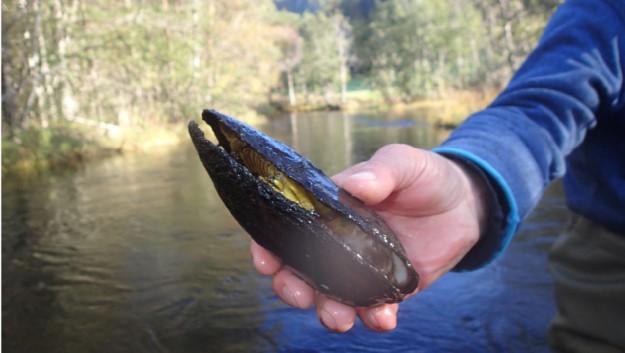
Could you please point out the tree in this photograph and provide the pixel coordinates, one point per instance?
(417, 48)
(291, 46)
(324, 66)
(130, 63)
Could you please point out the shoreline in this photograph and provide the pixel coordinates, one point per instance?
(64, 145)
(453, 107)
(67, 144)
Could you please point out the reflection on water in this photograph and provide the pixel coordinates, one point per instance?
(138, 254)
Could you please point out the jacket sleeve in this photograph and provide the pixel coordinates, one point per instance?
(521, 140)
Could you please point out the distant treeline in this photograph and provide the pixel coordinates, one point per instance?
(139, 63)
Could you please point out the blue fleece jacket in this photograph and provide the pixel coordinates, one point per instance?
(561, 114)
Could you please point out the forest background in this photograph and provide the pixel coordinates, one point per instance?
(81, 78)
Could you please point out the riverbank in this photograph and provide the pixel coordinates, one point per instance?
(67, 144)
(451, 110)
(447, 111)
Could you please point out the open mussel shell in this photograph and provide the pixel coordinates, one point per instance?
(290, 207)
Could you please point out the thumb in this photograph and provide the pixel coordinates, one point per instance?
(390, 169)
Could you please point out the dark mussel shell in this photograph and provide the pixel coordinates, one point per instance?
(335, 243)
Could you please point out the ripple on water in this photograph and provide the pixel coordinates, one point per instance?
(138, 254)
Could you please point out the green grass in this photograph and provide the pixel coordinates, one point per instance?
(35, 148)
(64, 144)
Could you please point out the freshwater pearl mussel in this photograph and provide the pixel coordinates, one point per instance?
(287, 205)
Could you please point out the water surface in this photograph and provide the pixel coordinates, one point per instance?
(136, 253)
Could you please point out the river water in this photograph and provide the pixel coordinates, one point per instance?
(136, 253)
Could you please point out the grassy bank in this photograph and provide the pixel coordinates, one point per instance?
(448, 110)
(451, 109)
(67, 144)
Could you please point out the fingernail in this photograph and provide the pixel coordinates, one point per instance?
(290, 296)
(363, 176)
(327, 319)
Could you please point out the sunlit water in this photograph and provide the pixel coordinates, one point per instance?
(138, 254)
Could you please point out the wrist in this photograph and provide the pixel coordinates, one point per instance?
(476, 193)
(501, 211)
(490, 211)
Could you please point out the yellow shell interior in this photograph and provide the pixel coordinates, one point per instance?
(268, 172)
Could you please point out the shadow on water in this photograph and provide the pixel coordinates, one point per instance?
(138, 254)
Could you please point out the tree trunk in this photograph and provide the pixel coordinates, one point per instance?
(289, 81)
(341, 31)
(510, 47)
(343, 76)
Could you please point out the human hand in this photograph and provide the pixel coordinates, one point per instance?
(435, 207)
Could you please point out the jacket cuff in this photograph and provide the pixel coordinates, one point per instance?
(503, 218)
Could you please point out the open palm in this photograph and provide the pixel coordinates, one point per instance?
(432, 204)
